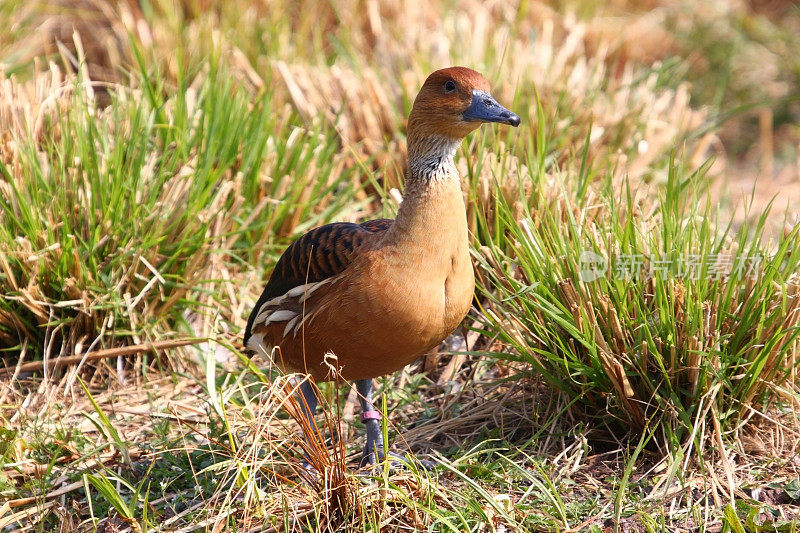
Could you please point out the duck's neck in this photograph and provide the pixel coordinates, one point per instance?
(433, 206)
(430, 159)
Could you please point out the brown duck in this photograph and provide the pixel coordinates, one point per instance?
(380, 294)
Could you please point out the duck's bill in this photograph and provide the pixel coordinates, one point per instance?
(484, 108)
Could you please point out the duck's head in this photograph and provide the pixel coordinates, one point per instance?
(453, 102)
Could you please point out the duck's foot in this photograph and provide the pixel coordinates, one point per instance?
(308, 473)
(397, 461)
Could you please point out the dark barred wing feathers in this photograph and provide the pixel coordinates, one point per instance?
(319, 254)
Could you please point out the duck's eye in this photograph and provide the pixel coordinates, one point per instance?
(449, 86)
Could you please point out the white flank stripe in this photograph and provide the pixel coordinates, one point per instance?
(280, 315)
(316, 286)
(299, 325)
(256, 343)
(263, 314)
(275, 301)
(302, 289)
(290, 325)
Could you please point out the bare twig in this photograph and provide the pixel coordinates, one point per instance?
(102, 354)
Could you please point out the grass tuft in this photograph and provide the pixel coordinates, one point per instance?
(156, 157)
(129, 221)
(652, 312)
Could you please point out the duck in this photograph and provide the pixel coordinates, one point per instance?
(359, 301)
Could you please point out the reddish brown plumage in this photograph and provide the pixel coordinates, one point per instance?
(437, 112)
(380, 294)
(317, 255)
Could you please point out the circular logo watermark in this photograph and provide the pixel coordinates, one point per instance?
(592, 266)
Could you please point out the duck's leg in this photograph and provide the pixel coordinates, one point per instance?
(308, 404)
(373, 449)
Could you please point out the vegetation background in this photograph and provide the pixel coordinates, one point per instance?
(156, 157)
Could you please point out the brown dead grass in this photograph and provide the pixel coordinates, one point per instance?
(588, 67)
(576, 74)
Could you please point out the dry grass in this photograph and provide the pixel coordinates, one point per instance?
(329, 94)
(632, 123)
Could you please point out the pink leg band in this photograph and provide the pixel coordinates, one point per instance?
(370, 415)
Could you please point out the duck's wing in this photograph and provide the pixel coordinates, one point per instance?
(318, 255)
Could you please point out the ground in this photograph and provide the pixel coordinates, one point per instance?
(156, 158)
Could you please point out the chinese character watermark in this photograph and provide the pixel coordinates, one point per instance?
(593, 266)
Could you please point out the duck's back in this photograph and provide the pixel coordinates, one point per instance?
(318, 256)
